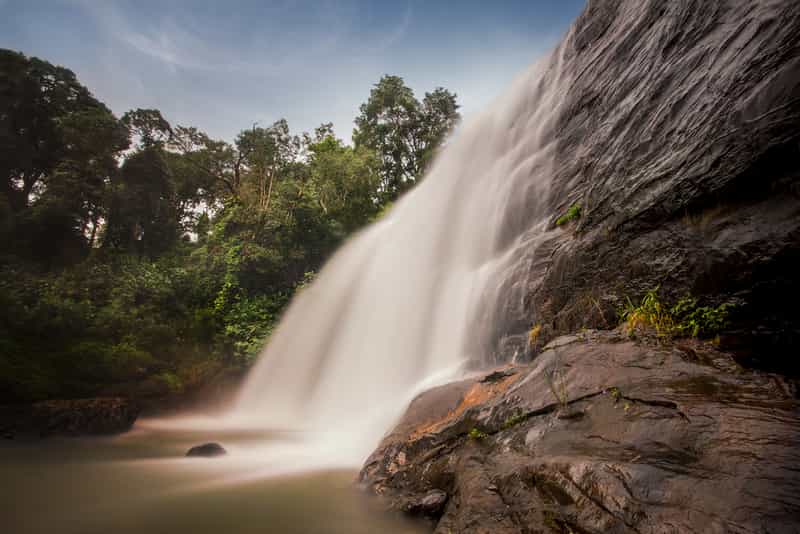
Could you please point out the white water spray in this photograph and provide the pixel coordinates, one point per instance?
(395, 309)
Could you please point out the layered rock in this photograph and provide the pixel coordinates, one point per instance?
(600, 434)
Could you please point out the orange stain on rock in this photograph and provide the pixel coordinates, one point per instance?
(479, 393)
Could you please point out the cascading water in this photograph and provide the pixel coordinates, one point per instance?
(404, 303)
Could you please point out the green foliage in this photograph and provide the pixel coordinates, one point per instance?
(171, 380)
(477, 434)
(58, 150)
(404, 132)
(249, 322)
(141, 257)
(699, 321)
(649, 314)
(574, 212)
(684, 318)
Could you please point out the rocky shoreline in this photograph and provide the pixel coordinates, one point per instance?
(75, 417)
(600, 433)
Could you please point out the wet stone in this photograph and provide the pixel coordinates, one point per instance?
(207, 450)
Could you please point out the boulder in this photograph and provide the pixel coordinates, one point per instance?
(668, 440)
(207, 450)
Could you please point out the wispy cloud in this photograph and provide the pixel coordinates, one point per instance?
(221, 66)
(399, 31)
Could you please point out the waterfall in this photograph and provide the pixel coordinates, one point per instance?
(413, 297)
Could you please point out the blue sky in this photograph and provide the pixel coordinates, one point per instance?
(223, 65)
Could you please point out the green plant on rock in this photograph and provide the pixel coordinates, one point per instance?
(684, 318)
(477, 434)
(699, 321)
(574, 212)
(650, 314)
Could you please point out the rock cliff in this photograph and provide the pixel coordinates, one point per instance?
(679, 141)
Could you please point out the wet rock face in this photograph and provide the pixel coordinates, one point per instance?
(78, 417)
(600, 434)
(680, 140)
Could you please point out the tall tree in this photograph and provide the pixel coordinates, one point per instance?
(345, 179)
(58, 148)
(403, 131)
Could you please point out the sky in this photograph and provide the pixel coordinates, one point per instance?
(223, 65)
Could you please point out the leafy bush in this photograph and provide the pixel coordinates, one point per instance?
(684, 318)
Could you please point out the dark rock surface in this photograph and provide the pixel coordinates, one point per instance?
(668, 439)
(78, 417)
(679, 137)
(207, 450)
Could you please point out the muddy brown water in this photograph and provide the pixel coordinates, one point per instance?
(141, 482)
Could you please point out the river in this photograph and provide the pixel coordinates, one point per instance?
(141, 482)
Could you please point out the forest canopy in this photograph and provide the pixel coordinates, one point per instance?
(143, 258)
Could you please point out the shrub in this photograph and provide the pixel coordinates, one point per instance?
(649, 314)
(574, 212)
(684, 318)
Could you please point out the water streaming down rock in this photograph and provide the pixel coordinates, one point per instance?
(406, 301)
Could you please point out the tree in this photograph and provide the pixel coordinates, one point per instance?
(346, 181)
(404, 132)
(58, 149)
(148, 126)
(142, 215)
(267, 153)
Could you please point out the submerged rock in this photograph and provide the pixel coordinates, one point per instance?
(207, 450)
(74, 417)
(664, 444)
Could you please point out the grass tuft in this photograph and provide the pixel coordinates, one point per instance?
(574, 212)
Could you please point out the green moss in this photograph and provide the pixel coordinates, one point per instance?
(477, 434)
(574, 212)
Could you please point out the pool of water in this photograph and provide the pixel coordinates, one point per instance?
(141, 482)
